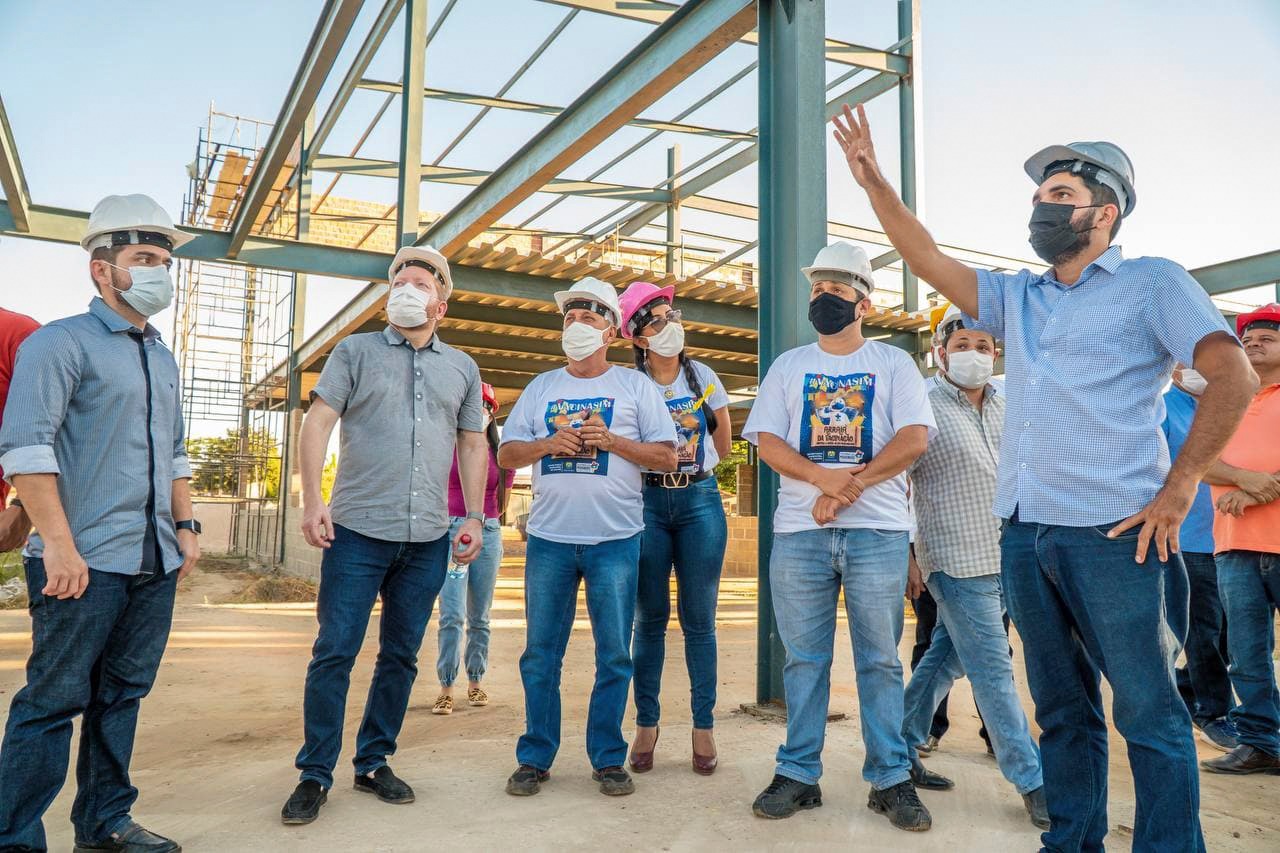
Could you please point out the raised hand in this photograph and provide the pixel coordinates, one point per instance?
(853, 135)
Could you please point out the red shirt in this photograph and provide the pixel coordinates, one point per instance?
(14, 329)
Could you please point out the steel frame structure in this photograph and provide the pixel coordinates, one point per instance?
(794, 98)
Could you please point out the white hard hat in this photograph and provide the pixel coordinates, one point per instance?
(952, 319)
(424, 256)
(592, 289)
(849, 263)
(125, 220)
(1103, 162)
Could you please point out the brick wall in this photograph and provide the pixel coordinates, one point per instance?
(300, 559)
(740, 557)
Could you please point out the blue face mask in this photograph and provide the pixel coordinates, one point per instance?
(151, 291)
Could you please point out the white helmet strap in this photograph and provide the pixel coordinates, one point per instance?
(131, 237)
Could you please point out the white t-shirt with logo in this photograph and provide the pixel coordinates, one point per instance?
(841, 410)
(596, 496)
(695, 446)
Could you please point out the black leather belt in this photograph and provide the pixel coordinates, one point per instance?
(676, 479)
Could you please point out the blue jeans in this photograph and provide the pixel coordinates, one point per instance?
(468, 599)
(970, 637)
(552, 573)
(1206, 651)
(684, 528)
(1084, 609)
(353, 572)
(807, 571)
(1249, 582)
(96, 656)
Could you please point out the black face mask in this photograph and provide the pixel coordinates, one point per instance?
(830, 314)
(1052, 237)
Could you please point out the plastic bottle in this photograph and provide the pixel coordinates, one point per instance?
(458, 570)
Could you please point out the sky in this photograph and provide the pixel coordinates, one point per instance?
(107, 98)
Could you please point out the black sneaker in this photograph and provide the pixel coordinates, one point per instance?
(386, 786)
(304, 803)
(131, 838)
(1037, 808)
(902, 806)
(1220, 734)
(526, 781)
(614, 781)
(927, 779)
(784, 797)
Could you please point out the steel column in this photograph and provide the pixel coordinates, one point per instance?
(675, 256)
(12, 180)
(793, 226)
(408, 208)
(908, 33)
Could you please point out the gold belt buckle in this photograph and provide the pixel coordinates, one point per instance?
(675, 479)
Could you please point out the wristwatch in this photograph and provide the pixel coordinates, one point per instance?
(478, 516)
(191, 524)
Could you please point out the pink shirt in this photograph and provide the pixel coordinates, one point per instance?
(458, 506)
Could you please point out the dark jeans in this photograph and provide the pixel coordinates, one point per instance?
(96, 656)
(354, 571)
(1250, 585)
(1084, 608)
(684, 528)
(1208, 693)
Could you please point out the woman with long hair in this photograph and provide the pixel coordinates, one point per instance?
(685, 527)
(467, 595)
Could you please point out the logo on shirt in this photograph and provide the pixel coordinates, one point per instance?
(572, 414)
(835, 425)
(691, 433)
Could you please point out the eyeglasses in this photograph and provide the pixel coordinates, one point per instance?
(659, 323)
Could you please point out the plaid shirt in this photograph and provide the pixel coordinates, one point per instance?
(954, 483)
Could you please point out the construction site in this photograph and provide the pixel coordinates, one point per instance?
(283, 205)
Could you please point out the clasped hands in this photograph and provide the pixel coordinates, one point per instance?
(840, 488)
(593, 434)
(1256, 487)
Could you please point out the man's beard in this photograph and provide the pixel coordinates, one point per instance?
(1082, 241)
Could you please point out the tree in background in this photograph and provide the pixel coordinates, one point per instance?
(727, 468)
(218, 464)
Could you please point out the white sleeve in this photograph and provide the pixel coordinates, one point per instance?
(910, 398)
(521, 424)
(769, 412)
(652, 416)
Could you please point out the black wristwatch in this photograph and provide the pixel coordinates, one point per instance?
(192, 525)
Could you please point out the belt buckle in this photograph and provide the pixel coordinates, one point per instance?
(675, 479)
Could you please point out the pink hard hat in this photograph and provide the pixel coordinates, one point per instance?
(637, 296)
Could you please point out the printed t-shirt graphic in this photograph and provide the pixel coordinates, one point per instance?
(572, 414)
(836, 425)
(691, 433)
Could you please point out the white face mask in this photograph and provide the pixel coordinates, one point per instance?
(668, 342)
(579, 340)
(1193, 383)
(151, 291)
(407, 307)
(970, 369)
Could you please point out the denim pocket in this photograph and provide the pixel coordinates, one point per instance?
(1104, 531)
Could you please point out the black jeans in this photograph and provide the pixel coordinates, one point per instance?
(1206, 688)
(97, 656)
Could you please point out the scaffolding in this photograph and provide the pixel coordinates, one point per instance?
(232, 326)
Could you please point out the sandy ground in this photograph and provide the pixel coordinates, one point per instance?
(218, 735)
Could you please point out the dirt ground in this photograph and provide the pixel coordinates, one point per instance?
(218, 735)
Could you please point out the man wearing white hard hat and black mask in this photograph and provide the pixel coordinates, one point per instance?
(840, 421)
(93, 442)
(1085, 485)
(404, 398)
(589, 430)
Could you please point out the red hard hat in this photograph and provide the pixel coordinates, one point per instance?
(489, 395)
(1267, 313)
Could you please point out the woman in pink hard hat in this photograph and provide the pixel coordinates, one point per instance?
(685, 527)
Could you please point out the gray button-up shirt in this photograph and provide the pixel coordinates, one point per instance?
(954, 483)
(79, 408)
(401, 410)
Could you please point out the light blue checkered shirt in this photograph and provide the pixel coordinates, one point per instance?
(1086, 367)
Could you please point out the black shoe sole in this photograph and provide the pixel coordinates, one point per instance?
(807, 803)
(523, 792)
(879, 809)
(80, 848)
(1270, 771)
(395, 801)
(302, 820)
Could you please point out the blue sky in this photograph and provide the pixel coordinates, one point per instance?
(107, 98)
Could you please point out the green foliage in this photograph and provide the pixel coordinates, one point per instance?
(727, 468)
(219, 464)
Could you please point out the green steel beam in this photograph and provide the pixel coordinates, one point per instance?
(409, 181)
(12, 181)
(908, 33)
(372, 42)
(500, 103)
(322, 51)
(686, 41)
(474, 177)
(1241, 273)
(793, 226)
(652, 12)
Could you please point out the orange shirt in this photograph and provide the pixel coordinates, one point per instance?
(1255, 447)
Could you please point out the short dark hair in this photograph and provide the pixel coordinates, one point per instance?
(1103, 194)
(110, 254)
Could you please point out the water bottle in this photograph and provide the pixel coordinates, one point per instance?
(457, 570)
